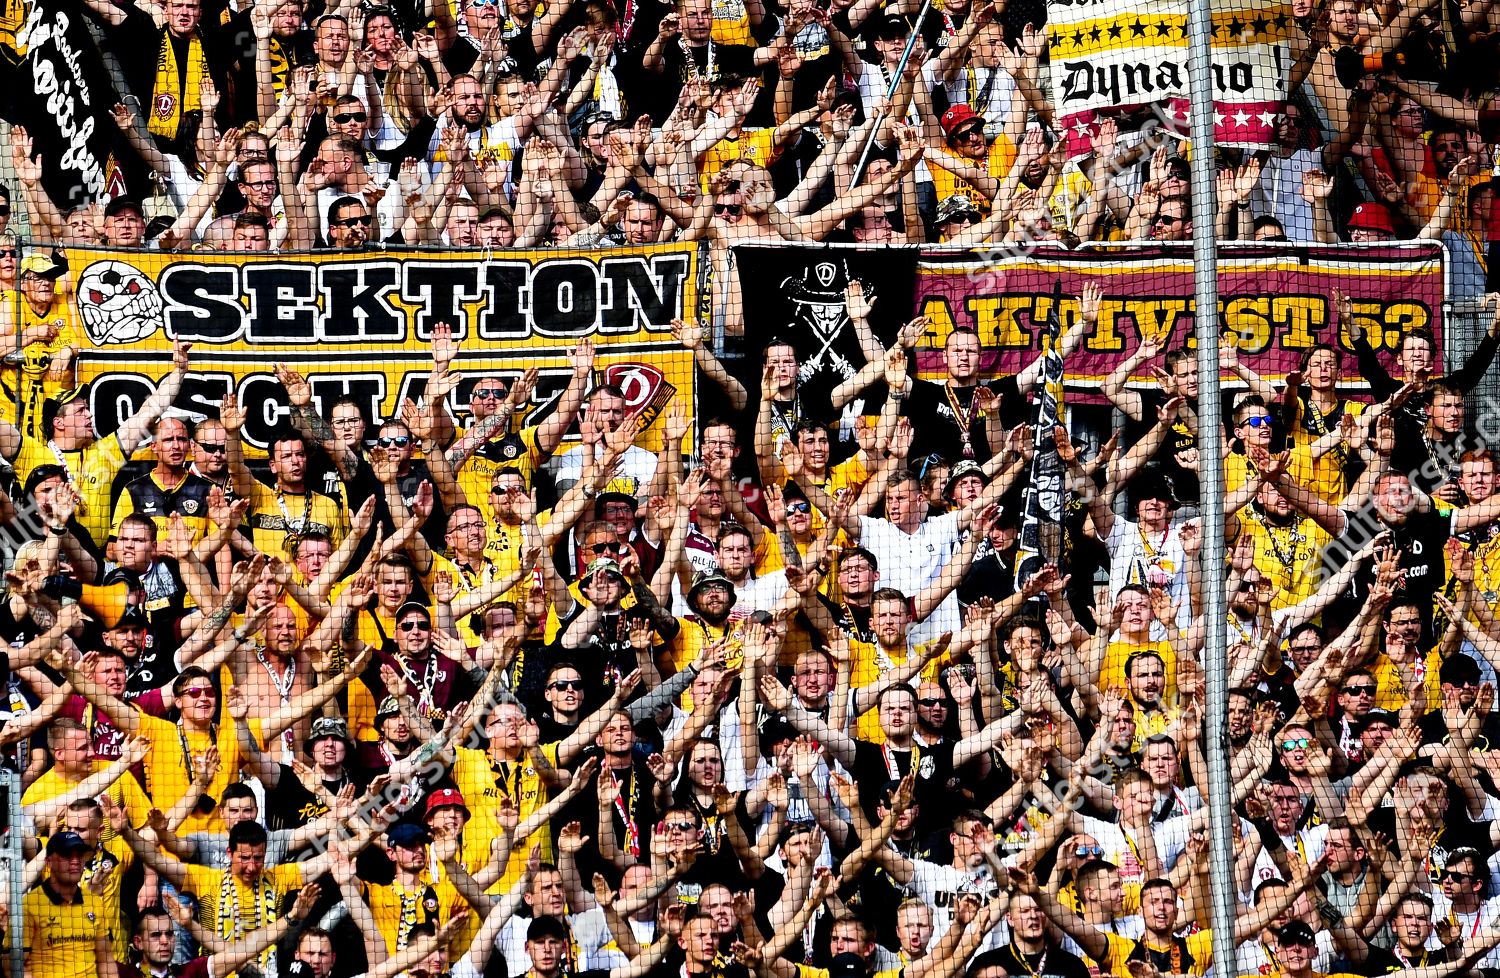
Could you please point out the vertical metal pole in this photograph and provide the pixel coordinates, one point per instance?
(15, 858)
(1211, 481)
(890, 92)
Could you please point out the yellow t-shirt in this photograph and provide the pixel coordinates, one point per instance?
(1190, 955)
(1390, 691)
(61, 938)
(232, 909)
(756, 146)
(731, 23)
(517, 451)
(1323, 476)
(1002, 155)
(870, 663)
(93, 470)
(36, 358)
(482, 784)
(1289, 557)
(396, 909)
(125, 792)
(274, 516)
(1112, 672)
(169, 772)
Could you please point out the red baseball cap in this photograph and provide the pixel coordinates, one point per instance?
(1371, 216)
(445, 798)
(957, 117)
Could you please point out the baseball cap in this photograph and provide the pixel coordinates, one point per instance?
(954, 206)
(38, 263)
(960, 117)
(388, 708)
(1371, 216)
(889, 28)
(53, 405)
(1458, 669)
(407, 835)
(546, 926)
(411, 606)
(1295, 932)
(120, 205)
(65, 842)
(847, 965)
(445, 798)
(1378, 716)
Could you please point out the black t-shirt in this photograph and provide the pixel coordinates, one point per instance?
(682, 63)
(942, 416)
(1051, 963)
(876, 764)
(1419, 541)
(290, 805)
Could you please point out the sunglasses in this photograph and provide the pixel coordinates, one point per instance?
(566, 685)
(603, 548)
(412, 626)
(506, 490)
(930, 703)
(9, 253)
(1088, 852)
(681, 826)
(346, 117)
(5, 211)
(799, 507)
(1299, 742)
(1257, 421)
(1453, 876)
(212, 448)
(730, 210)
(966, 217)
(1360, 690)
(197, 692)
(349, 222)
(395, 441)
(487, 392)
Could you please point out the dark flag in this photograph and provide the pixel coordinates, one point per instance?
(1040, 539)
(796, 293)
(63, 97)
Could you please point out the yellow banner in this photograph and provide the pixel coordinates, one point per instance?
(359, 325)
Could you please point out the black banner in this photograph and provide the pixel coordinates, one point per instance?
(63, 97)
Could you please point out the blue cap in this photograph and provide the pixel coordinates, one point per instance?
(65, 842)
(407, 835)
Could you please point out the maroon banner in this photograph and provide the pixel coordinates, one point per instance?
(1276, 305)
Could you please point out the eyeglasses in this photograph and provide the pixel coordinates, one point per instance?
(465, 527)
(1257, 421)
(212, 447)
(197, 692)
(349, 222)
(394, 441)
(1360, 690)
(347, 117)
(481, 393)
(1295, 744)
(260, 184)
(412, 626)
(346, 422)
(1088, 852)
(566, 685)
(1406, 621)
(729, 210)
(929, 703)
(799, 507)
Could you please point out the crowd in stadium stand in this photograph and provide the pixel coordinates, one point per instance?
(446, 694)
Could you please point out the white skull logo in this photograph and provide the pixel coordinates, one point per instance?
(118, 304)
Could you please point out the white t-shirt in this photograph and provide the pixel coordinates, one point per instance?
(1139, 557)
(390, 213)
(590, 933)
(941, 886)
(635, 469)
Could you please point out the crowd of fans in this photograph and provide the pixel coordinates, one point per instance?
(450, 693)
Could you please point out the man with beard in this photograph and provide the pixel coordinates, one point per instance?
(342, 179)
(1459, 678)
(290, 802)
(217, 449)
(714, 617)
(435, 681)
(1031, 947)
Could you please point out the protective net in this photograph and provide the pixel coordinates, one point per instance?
(713, 489)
